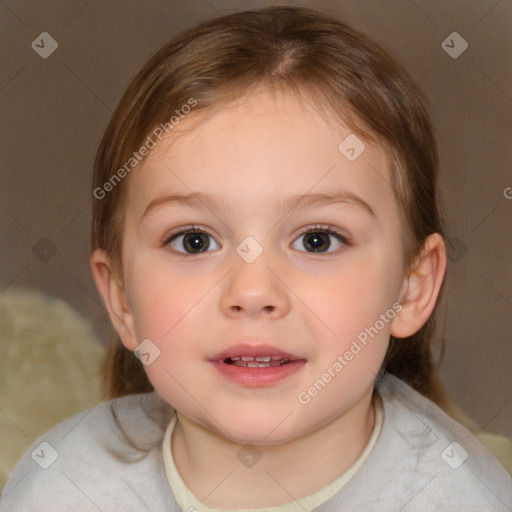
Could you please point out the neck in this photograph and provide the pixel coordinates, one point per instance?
(210, 468)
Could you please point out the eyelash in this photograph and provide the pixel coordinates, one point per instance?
(307, 229)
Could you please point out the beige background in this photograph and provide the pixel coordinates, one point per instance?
(54, 112)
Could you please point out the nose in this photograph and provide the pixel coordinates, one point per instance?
(255, 290)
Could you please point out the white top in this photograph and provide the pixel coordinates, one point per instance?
(421, 460)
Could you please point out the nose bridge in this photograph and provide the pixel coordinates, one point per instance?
(253, 287)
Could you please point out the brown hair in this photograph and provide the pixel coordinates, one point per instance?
(312, 55)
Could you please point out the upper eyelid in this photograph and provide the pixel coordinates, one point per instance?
(187, 229)
(303, 230)
(328, 228)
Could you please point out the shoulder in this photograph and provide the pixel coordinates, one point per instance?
(109, 454)
(432, 461)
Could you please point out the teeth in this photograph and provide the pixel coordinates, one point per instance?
(262, 359)
(259, 364)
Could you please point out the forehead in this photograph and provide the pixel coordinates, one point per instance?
(262, 146)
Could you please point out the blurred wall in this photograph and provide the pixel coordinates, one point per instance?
(54, 111)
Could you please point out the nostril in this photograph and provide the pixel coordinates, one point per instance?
(269, 309)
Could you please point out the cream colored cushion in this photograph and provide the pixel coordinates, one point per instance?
(50, 368)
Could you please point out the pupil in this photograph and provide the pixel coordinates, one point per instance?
(314, 242)
(196, 241)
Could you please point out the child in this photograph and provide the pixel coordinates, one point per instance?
(267, 242)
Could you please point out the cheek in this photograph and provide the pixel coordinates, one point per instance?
(166, 309)
(159, 298)
(352, 298)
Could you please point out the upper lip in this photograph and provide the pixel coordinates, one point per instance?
(253, 350)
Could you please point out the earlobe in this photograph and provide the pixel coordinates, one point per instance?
(421, 288)
(112, 292)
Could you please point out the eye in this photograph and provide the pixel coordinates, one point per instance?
(318, 239)
(193, 240)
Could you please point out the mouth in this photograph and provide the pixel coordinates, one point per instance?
(256, 365)
(255, 356)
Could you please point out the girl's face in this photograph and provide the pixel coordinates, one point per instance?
(244, 267)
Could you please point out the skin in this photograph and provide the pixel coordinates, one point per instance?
(252, 155)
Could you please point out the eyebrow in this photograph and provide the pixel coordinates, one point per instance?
(296, 202)
(197, 200)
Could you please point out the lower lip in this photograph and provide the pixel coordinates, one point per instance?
(258, 377)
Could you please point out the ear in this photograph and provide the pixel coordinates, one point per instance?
(421, 287)
(112, 292)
